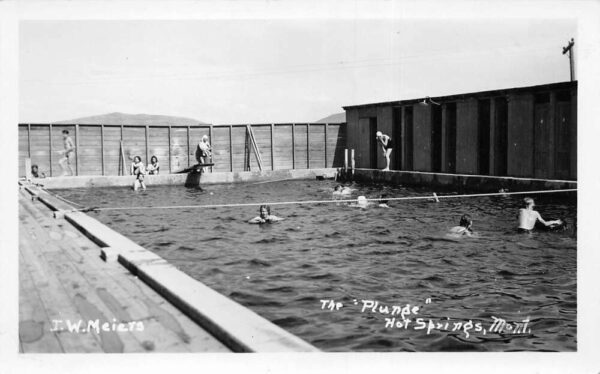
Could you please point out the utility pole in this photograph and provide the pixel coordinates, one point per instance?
(569, 49)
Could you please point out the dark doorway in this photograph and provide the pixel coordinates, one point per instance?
(450, 140)
(436, 138)
(563, 136)
(408, 137)
(501, 137)
(543, 137)
(396, 157)
(374, 147)
(483, 135)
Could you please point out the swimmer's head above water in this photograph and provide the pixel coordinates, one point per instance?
(466, 221)
(265, 211)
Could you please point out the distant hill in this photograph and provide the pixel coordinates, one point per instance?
(133, 119)
(334, 118)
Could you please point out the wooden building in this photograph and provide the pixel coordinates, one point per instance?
(521, 132)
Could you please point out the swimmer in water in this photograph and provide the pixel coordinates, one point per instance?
(139, 182)
(265, 216)
(361, 202)
(464, 227)
(341, 190)
(529, 217)
(383, 202)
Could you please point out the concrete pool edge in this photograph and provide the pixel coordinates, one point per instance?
(183, 179)
(481, 183)
(236, 326)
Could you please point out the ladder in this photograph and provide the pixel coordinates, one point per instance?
(251, 143)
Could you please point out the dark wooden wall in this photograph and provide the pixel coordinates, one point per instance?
(282, 146)
(520, 133)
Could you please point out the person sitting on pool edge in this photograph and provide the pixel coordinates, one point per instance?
(464, 226)
(528, 218)
(153, 167)
(265, 216)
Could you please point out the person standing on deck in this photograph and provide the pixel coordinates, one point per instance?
(67, 153)
(386, 147)
(529, 217)
(203, 151)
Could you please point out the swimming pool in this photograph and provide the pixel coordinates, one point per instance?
(341, 277)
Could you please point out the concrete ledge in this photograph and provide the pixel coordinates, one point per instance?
(239, 328)
(183, 179)
(460, 182)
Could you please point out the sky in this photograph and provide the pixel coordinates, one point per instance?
(274, 70)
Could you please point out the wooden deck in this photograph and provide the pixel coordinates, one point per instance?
(62, 278)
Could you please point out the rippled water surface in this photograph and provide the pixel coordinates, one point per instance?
(395, 256)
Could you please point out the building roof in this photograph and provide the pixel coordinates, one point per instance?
(480, 94)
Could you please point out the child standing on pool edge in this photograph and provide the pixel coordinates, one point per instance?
(386, 147)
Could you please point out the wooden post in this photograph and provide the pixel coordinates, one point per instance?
(76, 149)
(147, 150)
(210, 137)
(188, 146)
(231, 148)
(444, 136)
(293, 146)
(403, 138)
(122, 150)
(102, 147)
(29, 139)
(28, 168)
(352, 161)
(492, 164)
(170, 170)
(308, 145)
(325, 146)
(51, 150)
(346, 160)
(272, 148)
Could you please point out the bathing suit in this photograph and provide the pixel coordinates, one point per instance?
(389, 144)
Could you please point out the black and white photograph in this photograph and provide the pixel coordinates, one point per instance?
(411, 180)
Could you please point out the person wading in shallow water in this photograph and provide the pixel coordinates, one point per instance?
(529, 217)
(464, 227)
(265, 216)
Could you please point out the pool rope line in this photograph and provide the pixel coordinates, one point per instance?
(434, 197)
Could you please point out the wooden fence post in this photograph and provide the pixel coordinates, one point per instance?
(102, 146)
(51, 150)
(308, 145)
(231, 148)
(325, 145)
(293, 146)
(272, 148)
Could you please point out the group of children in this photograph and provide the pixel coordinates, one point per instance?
(139, 171)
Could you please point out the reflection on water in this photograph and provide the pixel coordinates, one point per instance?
(395, 256)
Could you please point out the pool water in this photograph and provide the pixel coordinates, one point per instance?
(319, 272)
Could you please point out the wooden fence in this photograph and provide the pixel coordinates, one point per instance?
(282, 146)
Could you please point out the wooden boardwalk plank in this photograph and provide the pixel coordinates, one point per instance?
(94, 290)
(56, 302)
(34, 324)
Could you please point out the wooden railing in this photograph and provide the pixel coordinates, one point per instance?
(98, 152)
